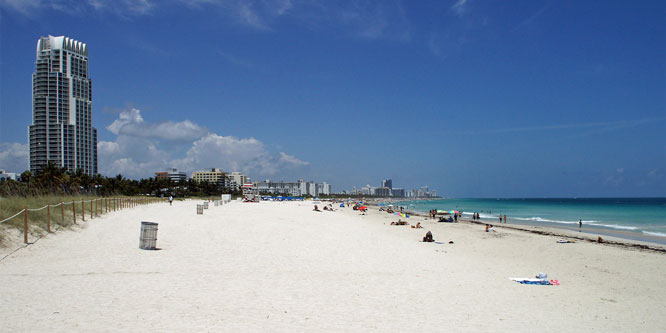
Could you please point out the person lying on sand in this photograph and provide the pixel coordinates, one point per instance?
(418, 226)
(316, 209)
(400, 222)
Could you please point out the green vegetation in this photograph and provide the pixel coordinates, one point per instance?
(53, 180)
(54, 185)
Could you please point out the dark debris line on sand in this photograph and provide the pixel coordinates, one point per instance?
(607, 242)
(549, 233)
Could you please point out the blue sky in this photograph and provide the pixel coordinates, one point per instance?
(473, 98)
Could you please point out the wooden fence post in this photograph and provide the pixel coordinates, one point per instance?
(62, 211)
(83, 210)
(91, 209)
(74, 210)
(48, 218)
(25, 224)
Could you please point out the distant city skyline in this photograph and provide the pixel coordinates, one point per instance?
(474, 98)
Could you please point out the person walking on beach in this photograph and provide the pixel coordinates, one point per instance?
(170, 200)
(580, 225)
(504, 218)
(500, 217)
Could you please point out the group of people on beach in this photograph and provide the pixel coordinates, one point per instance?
(328, 208)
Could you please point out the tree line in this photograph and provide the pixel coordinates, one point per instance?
(53, 179)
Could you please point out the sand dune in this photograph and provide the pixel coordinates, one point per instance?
(282, 267)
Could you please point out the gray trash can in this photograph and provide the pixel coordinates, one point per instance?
(199, 209)
(148, 239)
(205, 204)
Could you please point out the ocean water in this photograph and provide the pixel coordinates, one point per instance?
(637, 216)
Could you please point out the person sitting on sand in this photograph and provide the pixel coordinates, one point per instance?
(428, 237)
(316, 209)
(418, 225)
(489, 228)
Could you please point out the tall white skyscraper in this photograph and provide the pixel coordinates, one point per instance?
(61, 129)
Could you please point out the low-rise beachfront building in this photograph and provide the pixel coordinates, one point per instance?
(368, 190)
(172, 174)
(423, 192)
(281, 187)
(236, 180)
(398, 192)
(214, 176)
(299, 188)
(383, 192)
(324, 188)
(8, 175)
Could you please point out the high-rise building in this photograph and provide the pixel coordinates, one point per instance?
(61, 129)
(387, 183)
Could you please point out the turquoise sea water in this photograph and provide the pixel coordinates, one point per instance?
(639, 216)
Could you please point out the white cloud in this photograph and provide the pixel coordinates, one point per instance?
(459, 7)
(14, 156)
(139, 151)
(248, 16)
(289, 159)
(229, 153)
(657, 174)
(24, 7)
(131, 123)
(384, 19)
(78, 7)
(616, 178)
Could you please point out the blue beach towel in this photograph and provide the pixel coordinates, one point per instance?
(532, 281)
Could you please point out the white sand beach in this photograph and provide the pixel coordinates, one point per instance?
(283, 267)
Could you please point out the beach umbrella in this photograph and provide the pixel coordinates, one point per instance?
(453, 212)
(381, 204)
(442, 212)
(363, 207)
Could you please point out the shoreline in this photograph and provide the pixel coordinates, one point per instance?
(621, 238)
(624, 235)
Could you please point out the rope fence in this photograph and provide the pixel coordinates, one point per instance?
(9, 218)
(96, 207)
